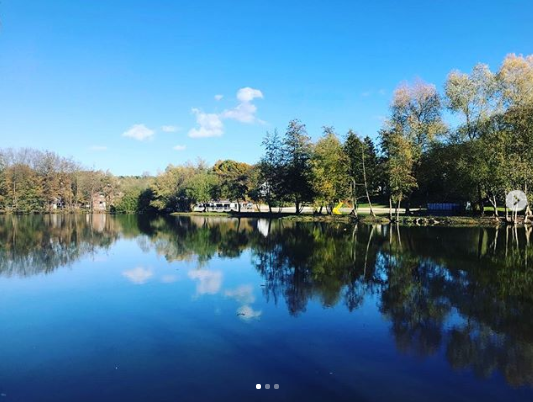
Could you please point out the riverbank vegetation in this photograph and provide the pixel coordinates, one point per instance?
(418, 157)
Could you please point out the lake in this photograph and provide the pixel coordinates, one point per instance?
(126, 308)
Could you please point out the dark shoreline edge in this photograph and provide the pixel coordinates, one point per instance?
(430, 220)
(458, 221)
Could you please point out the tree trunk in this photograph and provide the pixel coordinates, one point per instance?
(398, 210)
(297, 207)
(354, 199)
(527, 211)
(480, 201)
(15, 195)
(493, 202)
(390, 208)
(365, 182)
(506, 212)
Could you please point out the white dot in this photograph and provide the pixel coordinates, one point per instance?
(267, 386)
(258, 386)
(276, 386)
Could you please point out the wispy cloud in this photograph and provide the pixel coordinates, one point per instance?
(243, 294)
(179, 148)
(170, 129)
(98, 148)
(368, 93)
(211, 124)
(139, 132)
(247, 313)
(169, 278)
(218, 97)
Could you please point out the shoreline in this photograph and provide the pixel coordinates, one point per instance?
(365, 218)
(429, 220)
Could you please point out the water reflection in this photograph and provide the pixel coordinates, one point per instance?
(138, 276)
(467, 292)
(209, 282)
(31, 245)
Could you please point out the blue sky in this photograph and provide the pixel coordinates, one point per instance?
(131, 85)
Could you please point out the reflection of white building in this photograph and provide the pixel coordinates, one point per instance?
(262, 226)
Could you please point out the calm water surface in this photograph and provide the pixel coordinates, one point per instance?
(123, 308)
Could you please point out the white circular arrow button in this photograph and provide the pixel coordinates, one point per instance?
(516, 200)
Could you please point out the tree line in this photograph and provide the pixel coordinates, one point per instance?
(416, 158)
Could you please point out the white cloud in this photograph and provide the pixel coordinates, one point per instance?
(210, 125)
(248, 94)
(170, 129)
(244, 112)
(138, 276)
(139, 132)
(98, 148)
(179, 148)
(209, 281)
(218, 97)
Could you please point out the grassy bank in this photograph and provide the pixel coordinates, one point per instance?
(200, 214)
(459, 221)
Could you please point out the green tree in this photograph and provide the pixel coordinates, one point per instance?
(24, 189)
(199, 187)
(364, 168)
(296, 162)
(516, 82)
(474, 98)
(416, 118)
(233, 179)
(329, 170)
(270, 186)
(399, 158)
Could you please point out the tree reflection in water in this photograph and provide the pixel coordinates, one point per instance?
(468, 291)
(31, 245)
